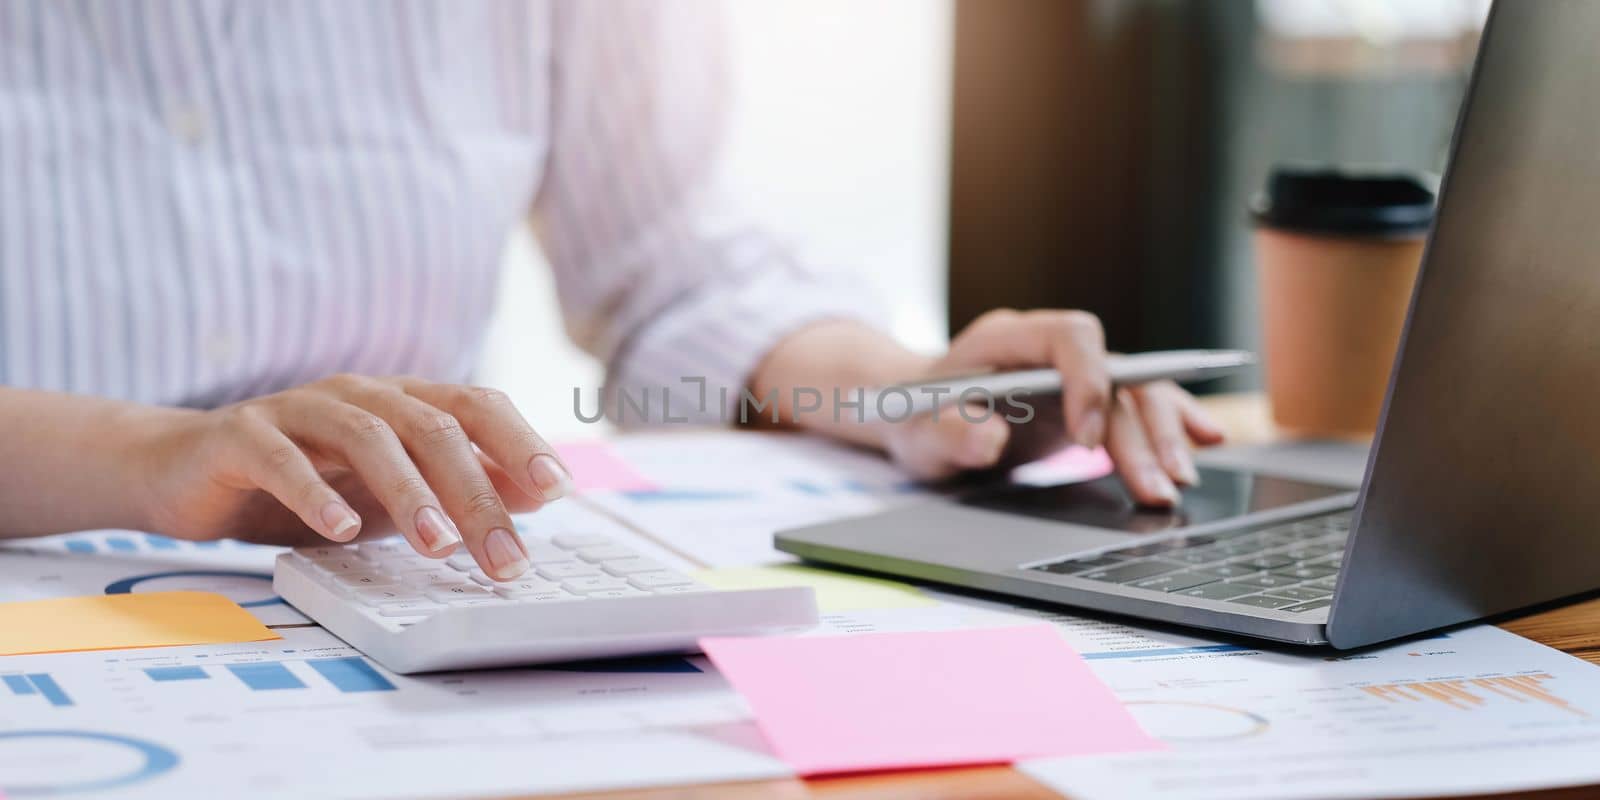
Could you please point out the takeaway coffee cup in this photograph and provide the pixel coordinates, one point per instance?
(1337, 253)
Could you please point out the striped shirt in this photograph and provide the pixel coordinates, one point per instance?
(205, 200)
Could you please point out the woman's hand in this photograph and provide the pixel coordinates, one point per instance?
(1147, 430)
(351, 455)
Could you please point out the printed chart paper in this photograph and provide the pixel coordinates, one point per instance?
(1470, 711)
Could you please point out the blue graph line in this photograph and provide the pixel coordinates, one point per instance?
(157, 760)
(126, 585)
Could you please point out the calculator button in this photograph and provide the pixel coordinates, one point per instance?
(462, 561)
(553, 596)
(573, 541)
(452, 594)
(341, 565)
(683, 588)
(409, 608)
(405, 563)
(377, 551)
(612, 594)
(543, 552)
(605, 552)
(526, 586)
(325, 551)
(362, 580)
(593, 583)
(570, 569)
(380, 595)
(657, 580)
(629, 566)
(480, 577)
(434, 577)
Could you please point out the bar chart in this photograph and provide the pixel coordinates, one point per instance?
(347, 675)
(132, 542)
(38, 685)
(1468, 694)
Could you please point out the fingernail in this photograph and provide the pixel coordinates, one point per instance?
(1092, 428)
(435, 529)
(1180, 462)
(507, 559)
(552, 479)
(340, 520)
(1156, 481)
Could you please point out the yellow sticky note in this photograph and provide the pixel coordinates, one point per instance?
(836, 591)
(116, 621)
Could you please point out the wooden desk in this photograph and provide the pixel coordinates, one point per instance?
(1574, 629)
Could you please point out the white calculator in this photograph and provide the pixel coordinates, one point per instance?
(586, 596)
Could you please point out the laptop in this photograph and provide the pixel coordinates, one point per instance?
(1481, 493)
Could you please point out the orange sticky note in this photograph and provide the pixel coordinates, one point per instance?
(117, 621)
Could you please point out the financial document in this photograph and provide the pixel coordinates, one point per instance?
(1470, 711)
(309, 717)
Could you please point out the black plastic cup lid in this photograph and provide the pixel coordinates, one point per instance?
(1333, 201)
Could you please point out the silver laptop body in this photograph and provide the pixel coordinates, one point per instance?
(1481, 494)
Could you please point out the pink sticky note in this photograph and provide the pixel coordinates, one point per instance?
(596, 466)
(1069, 465)
(831, 704)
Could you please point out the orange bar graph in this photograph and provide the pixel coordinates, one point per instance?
(1475, 692)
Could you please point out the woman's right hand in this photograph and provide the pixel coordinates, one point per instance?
(351, 455)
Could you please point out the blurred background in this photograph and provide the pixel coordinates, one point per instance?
(962, 155)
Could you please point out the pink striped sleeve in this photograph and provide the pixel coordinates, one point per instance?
(655, 275)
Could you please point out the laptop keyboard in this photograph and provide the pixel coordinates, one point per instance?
(1290, 566)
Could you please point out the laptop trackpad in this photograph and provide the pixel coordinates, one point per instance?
(997, 529)
(1105, 504)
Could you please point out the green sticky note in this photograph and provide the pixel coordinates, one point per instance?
(836, 591)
